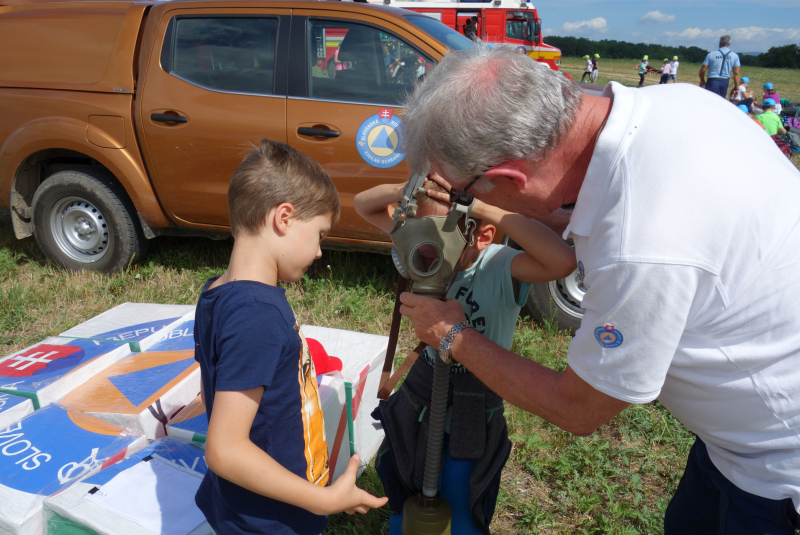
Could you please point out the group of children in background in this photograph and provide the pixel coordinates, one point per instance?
(767, 115)
(668, 70)
(266, 446)
(591, 69)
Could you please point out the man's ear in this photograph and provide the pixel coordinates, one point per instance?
(281, 217)
(513, 171)
(484, 235)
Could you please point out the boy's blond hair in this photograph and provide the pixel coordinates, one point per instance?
(275, 173)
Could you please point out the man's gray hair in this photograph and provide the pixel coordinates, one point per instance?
(485, 106)
(725, 40)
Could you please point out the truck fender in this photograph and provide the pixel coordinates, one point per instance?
(71, 134)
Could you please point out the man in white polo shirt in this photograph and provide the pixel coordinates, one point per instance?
(685, 267)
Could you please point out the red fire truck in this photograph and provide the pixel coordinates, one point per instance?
(513, 22)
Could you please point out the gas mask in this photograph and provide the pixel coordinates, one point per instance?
(428, 250)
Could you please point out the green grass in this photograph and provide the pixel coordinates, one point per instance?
(618, 480)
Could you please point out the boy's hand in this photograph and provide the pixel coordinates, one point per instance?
(433, 177)
(480, 210)
(346, 496)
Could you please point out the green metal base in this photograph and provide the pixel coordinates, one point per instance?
(426, 516)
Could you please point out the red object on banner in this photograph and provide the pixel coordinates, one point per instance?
(323, 363)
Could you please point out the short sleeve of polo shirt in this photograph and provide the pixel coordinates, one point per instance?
(635, 317)
(253, 340)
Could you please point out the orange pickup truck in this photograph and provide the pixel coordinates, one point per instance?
(123, 120)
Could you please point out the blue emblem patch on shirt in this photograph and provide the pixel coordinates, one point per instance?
(379, 139)
(580, 271)
(608, 336)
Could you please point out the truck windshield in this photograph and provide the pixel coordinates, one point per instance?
(447, 36)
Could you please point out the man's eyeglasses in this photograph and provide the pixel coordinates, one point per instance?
(461, 196)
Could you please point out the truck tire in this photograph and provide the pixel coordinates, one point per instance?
(558, 301)
(84, 220)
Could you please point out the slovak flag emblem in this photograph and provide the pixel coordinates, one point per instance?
(608, 336)
(385, 114)
(42, 359)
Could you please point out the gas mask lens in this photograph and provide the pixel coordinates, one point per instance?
(426, 259)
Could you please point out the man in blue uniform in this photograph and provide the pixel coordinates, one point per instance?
(720, 64)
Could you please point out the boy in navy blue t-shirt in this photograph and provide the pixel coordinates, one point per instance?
(266, 446)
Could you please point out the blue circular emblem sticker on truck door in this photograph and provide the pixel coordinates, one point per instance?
(608, 336)
(378, 140)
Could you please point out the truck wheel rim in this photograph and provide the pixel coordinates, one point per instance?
(568, 294)
(79, 229)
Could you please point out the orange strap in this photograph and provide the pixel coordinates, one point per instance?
(388, 383)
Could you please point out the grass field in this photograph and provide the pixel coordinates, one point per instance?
(618, 480)
(624, 71)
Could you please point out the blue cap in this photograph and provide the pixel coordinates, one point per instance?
(768, 102)
(745, 79)
(743, 108)
(768, 85)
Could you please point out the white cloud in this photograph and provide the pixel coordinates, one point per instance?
(749, 39)
(598, 24)
(656, 17)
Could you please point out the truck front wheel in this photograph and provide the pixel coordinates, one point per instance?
(84, 221)
(558, 301)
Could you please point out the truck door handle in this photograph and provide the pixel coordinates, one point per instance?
(166, 118)
(321, 132)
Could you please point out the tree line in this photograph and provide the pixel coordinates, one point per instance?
(787, 56)
(580, 46)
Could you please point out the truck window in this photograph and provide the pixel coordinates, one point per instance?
(520, 25)
(515, 29)
(447, 36)
(223, 53)
(358, 63)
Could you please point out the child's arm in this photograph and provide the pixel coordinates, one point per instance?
(231, 455)
(545, 255)
(376, 205)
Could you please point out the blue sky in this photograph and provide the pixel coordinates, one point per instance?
(754, 26)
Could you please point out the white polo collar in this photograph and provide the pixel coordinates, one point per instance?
(619, 128)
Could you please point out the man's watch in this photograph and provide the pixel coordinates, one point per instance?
(447, 342)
